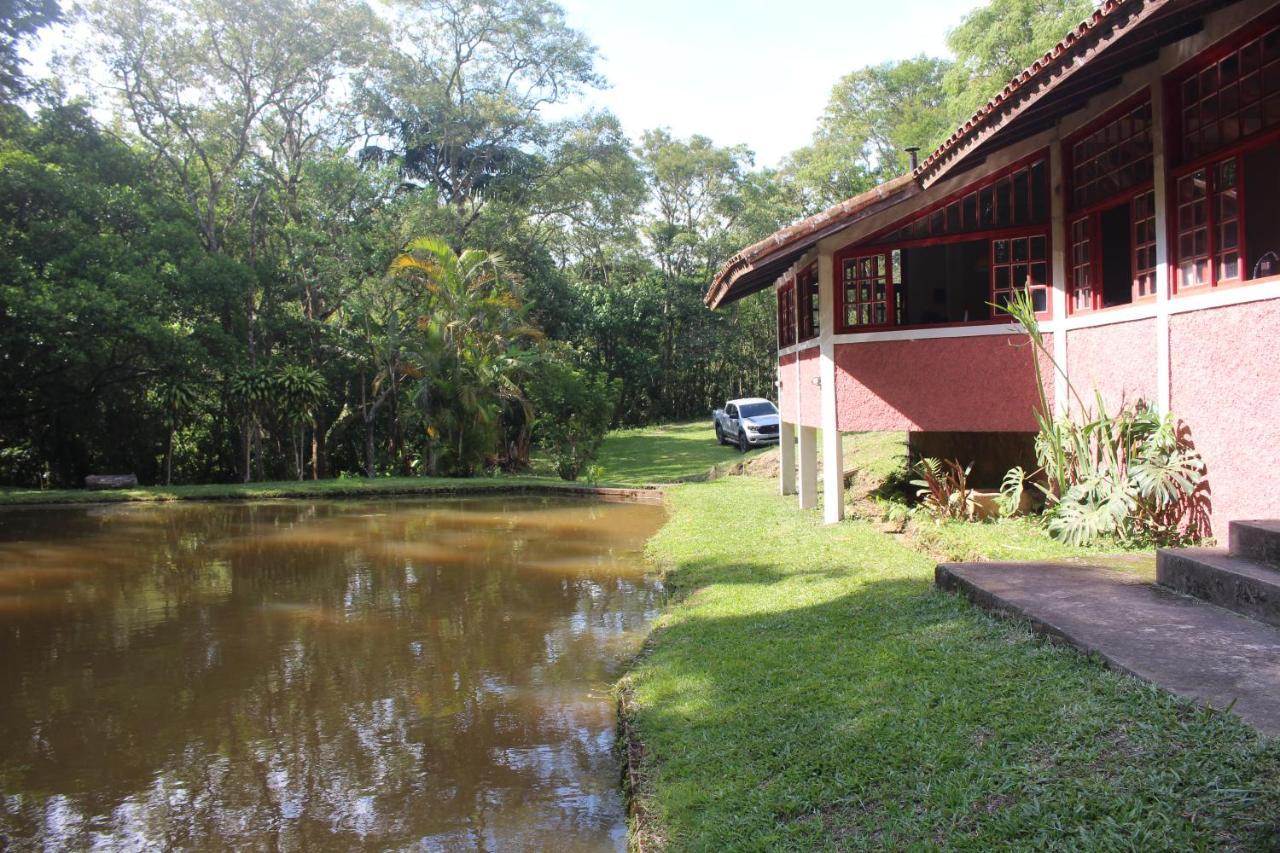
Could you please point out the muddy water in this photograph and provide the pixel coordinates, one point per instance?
(332, 675)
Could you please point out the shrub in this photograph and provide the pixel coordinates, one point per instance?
(1131, 476)
(943, 489)
(573, 408)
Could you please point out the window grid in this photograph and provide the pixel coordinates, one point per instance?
(786, 315)
(1232, 99)
(868, 292)
(1144, 245)
(1193, 230)
(807, 302)
(1015, 200)
(1081, 266)
(1226, 213)
(1018, 264)
(1113, 158)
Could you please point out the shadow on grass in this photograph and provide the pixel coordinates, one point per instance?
(891, 715)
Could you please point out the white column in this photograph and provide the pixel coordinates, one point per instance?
(1160, 165)
(787, 457)
(1060, 239)
(832, 441)
(808, 467)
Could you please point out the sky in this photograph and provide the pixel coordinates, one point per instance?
(753, 72)
(756, 72)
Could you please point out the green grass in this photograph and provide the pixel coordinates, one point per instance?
(1008, 539)
(670, 453)
(809, 689)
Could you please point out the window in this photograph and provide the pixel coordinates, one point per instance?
(1144, 245)
(1113, 158)
(1233, 98)
(868, 292)
(807, 302)
(1016, 199)
(1111, 200)
(1226, 186)
(950, 261)
(1081, 265)
(1021, 264)
(786, 315)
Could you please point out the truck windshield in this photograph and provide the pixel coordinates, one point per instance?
(755, 410)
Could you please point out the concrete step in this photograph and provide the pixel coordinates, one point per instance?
(1188, 647)
(1256, 540)
(1237, 583)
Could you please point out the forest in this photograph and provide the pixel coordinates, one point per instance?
(278, 239)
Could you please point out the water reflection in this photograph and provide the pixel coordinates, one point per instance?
(380, 674)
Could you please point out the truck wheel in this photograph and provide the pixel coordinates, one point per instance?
(742, 441)
(719, 435)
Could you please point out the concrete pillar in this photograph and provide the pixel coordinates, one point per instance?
(832, 443)
(808, 467)
(1160, 171)
(1059, 238)
(787, 457)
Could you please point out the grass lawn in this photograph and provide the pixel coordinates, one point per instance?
(670, 453)
(808, 688)
(638, 457)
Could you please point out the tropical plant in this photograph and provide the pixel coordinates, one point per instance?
(178, 400)
(943, 489)
(474, 344)
(1131, 476)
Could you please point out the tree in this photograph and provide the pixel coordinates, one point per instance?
(872, 116)
(464, 103)
(102, 289)
(473, 342)
(996, 41)
(20, 20)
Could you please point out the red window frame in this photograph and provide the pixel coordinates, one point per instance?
(871, 299)
(1209, 225)
(948, 219)
(787, 315)
(1114, 156)
(1021, 263)
(807, 303)
(1227, 105)
(932, 226)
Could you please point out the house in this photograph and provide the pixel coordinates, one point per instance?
(1130, 181)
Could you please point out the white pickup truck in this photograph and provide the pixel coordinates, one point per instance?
(747, 423)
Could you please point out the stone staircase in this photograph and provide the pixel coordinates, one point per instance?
(1245, 577)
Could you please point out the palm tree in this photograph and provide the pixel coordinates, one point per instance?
(472, 334)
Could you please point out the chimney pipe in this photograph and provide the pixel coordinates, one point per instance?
(914, 153)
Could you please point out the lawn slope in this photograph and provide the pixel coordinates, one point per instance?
(808, 688)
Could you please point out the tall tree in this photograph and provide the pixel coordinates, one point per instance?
(998, 40)
(463, 99)
(20, 20)
(872, 116)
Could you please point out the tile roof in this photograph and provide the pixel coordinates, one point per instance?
(1035, 79)
(1053, 60)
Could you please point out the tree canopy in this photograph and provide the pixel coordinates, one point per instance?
(328, 237)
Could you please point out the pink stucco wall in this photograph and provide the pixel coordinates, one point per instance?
(1225, 386)
(787, 387)
(810, 393)
(1117, 360)
(976, 384)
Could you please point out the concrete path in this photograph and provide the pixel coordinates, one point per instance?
(1184, 645)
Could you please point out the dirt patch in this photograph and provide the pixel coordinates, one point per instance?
(646, 834)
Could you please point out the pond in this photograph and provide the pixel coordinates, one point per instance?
(297, 675)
